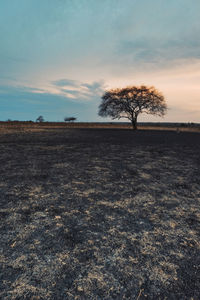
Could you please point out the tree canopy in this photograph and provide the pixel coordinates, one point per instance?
(69, 119)
(40, 119)
(129, 102)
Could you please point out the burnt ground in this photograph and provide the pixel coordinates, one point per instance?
(99, 214)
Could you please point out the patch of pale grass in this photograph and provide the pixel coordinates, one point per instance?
(21, 289)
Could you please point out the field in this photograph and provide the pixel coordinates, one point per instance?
(11, 126)
(99, 214)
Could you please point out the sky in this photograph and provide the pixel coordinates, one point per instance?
(58, 57)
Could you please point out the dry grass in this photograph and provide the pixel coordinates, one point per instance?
(99, 214)
(17, 127)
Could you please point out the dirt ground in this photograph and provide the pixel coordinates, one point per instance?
(99, 214)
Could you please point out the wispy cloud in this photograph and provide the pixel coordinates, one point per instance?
(22, 102)
(79, 90)
(149, 54)
(67, 90)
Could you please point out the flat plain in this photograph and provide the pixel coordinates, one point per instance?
(99, 214)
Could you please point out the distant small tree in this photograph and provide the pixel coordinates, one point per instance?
(70, 119)
(40, 119)
(129, 102)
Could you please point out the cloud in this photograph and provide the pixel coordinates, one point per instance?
(79, 90)
(95, 87)
(25, 103)
(64, 90)
(156, 52)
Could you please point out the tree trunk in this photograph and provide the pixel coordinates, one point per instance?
(134, 123)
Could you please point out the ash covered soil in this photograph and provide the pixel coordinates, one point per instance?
(99, 214)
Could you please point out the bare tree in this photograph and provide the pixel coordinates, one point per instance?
(70, 119)
(40, 119)
(129, 102)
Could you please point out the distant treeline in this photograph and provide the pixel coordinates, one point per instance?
(169, 124)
